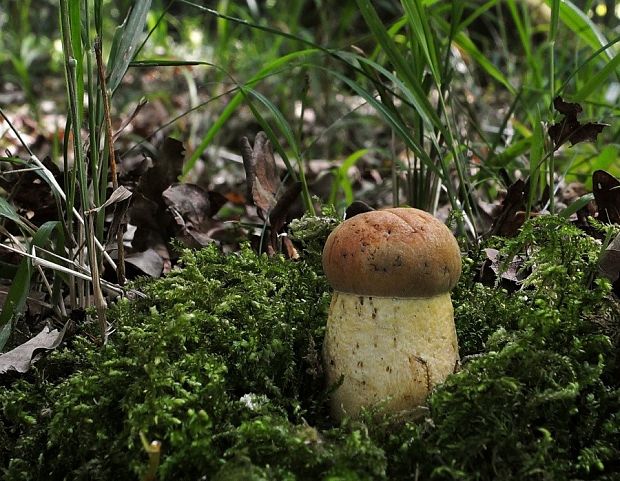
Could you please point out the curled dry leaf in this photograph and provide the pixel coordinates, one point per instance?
(261, 173)
(569, 129)
(263, 186)
(193, 208)
(22, 357)
(512, 214)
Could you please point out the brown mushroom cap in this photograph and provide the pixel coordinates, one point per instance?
(401, 252)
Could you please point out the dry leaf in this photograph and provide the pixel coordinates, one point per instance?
(569, 128)
(193, 208)
(261, 173)
(149, 262)
(493, 268)
(22, 357)
(607, 196)
(512, 214)
(263, 185)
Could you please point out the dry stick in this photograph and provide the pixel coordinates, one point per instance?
(94, 270)
(120, 268)
(54, 185)
(82, 273)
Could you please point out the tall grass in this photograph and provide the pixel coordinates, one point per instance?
(77, 238)
(408, 78)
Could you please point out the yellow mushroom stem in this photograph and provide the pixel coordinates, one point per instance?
(391, 351)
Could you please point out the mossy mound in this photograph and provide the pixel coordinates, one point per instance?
(221, 363)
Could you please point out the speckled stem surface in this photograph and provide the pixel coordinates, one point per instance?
(390, 350)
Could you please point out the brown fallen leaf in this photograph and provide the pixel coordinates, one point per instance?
(606, 189)
(193, 209)
(166, 168)
(569, 128)
(261, 173)
(148, 262)
(264, 187)
(22, 357)
(148, 210)
(512, 213)
(494, 269)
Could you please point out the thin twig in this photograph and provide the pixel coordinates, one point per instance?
(86, 275)
(120, 269)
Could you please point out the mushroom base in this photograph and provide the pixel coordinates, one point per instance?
(391, 351)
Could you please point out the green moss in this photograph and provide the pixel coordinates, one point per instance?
(221, 363)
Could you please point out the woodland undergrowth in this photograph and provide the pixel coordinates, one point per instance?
(221, 364)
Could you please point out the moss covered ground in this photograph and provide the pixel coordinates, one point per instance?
(221, 364)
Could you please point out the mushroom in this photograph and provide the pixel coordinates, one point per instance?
(390, 334)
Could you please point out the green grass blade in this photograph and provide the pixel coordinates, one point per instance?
(234, 103)
(555, 19)
(75, 27)
(15, 301)
(477, 13)
(606, 159)
(466, 44)
(415, 98)
(7, 211)
(387, 43)
(598, 80)
(343, 170)
(289, 135)
(579, 23)
(283, 126)
(126, 41)
(420, 28)
(393, 120)
(536, 155)
(577, 205)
